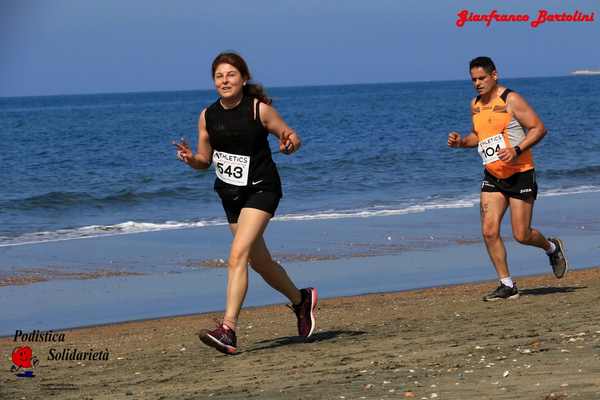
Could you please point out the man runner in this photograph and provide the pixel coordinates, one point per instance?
(505, 128)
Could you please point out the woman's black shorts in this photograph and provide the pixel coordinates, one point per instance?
(234, 199)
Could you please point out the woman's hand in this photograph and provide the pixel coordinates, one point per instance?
(289, 142)
(184, 152)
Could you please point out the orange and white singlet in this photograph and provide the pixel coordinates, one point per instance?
(497, 128)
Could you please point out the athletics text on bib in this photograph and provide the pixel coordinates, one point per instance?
(231, 168)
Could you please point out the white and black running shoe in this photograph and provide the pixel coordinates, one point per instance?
(502, 292)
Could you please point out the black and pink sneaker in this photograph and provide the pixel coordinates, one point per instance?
(305, 312)
(221, 338)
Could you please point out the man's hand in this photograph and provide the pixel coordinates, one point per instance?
(454, 140)
(508, 154)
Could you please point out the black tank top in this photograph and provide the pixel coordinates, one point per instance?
(241, 151)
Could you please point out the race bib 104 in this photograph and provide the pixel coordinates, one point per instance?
(231, 168)
(488, 148)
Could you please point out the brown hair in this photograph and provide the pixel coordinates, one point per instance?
(250, 89)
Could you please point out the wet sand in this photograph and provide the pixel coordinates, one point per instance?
(22, 275)
(438, 343)
(27, 276)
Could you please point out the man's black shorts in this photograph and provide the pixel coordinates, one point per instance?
(234, 199)
(521, 185)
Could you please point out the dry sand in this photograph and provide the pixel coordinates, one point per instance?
(439, 343)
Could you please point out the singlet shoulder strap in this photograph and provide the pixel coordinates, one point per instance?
(505, 94)
(211, 110)
(257, 111)
(213, 107)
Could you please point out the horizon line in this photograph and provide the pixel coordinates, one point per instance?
(268, 87)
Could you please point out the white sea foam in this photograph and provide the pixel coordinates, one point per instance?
(572, 190)
(375, 212)
(131, 227)
(93, 231)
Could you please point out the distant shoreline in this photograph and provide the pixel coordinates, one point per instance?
(586, 72)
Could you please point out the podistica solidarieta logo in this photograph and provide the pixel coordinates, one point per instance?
(24, 361)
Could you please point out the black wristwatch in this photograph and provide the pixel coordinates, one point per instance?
(518, 150)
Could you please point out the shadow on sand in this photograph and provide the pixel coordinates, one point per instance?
(291, 340)
(542, 291)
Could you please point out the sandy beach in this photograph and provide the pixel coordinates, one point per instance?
(442, 343)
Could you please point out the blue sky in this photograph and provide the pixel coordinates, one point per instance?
(79, 46)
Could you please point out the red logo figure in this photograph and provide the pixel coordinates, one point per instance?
(22, 359)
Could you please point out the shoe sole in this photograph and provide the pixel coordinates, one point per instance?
(514, 296)
(313, 305)
(211, 341)
(562, 248)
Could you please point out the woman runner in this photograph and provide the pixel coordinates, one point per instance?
(232, 133)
